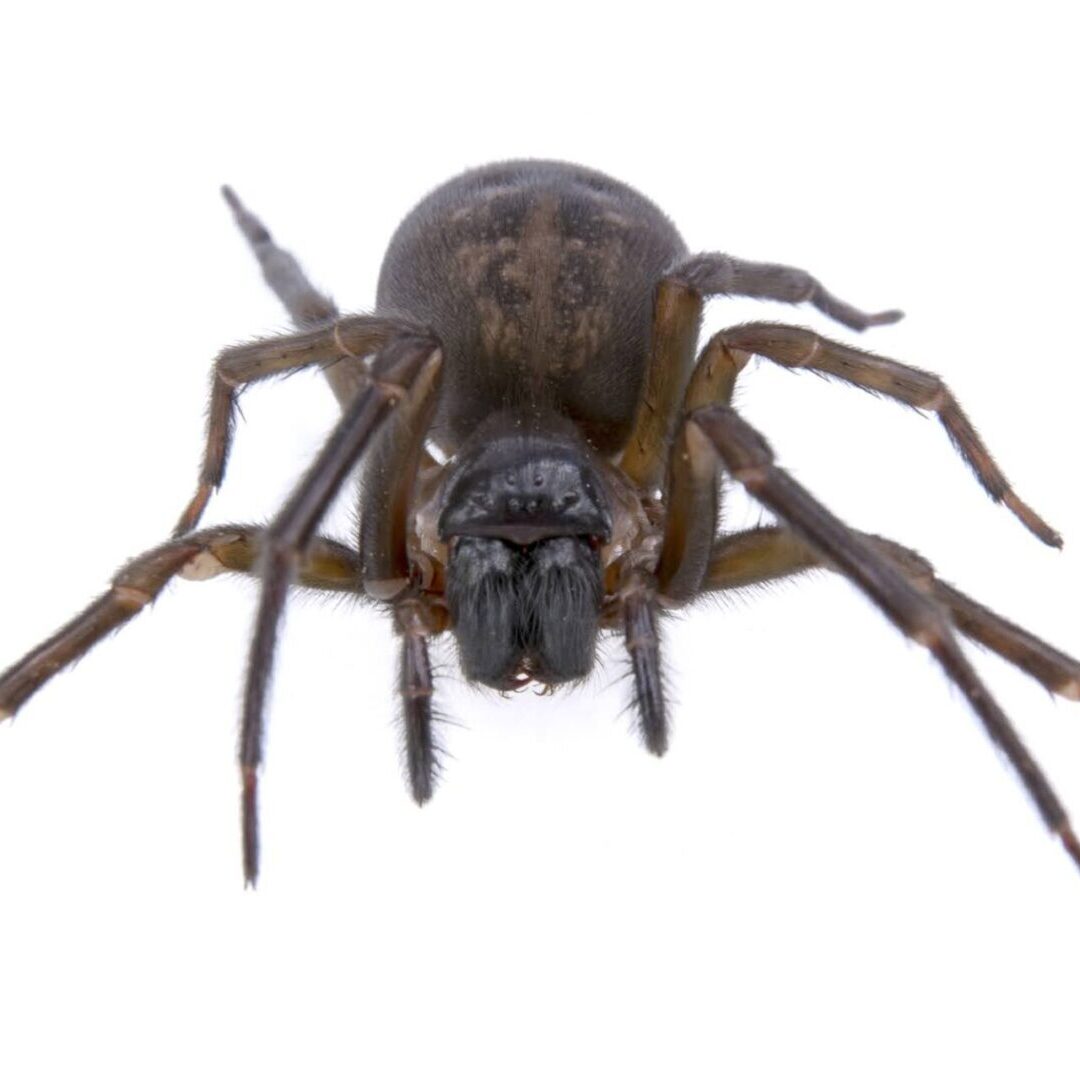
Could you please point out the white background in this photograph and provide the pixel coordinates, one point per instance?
(831, 873)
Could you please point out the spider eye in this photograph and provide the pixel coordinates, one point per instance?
(516, 508)
(524, 490)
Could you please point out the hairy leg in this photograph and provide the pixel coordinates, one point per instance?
(677, 312)
(796, 348)
(758, 556)
(417, 687)
(692, 492)
(351, 337)
(326, 565)
(643, 644)
(398, 367)
(750, 460)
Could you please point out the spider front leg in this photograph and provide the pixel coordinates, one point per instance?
(797, 348)
(354, 336)
(749, 459)
(416, 622)
(405, 364)
(692, 511)
(677, 309)
(326, 565)
(717, 274)
(388, 489)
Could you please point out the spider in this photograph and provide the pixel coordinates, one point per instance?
(542, 462)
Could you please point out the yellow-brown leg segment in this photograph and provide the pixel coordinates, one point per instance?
(676, 321)
(750, 460)
(387, 491)
(795, 347)
(692, 493)
(353, 336)
(326, 565)
(766, 554)
(677, 312)
(692, 507)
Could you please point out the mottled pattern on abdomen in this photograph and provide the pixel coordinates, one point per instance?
(539, 278)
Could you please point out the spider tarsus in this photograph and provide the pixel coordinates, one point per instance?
(652, 708)
(420, 787)
(231, 198)
(1069, 689)
(656, 739)
(6, 714)
(422, 762)
(250, 818)
(252, 228)
(1031, 521)
(1070, 842)
(643, 645)
(884, 318)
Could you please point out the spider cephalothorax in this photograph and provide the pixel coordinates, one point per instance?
(542, 451)
(523, 519)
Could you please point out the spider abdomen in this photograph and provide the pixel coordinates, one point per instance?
(538, 278)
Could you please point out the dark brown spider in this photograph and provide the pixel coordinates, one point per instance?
(535, 329)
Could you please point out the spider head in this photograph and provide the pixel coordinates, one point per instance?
(524, 515)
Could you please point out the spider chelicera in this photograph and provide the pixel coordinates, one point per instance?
(543, 462)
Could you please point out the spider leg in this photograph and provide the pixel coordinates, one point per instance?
(399, 365)
(765, 554)
(676, 320)
(675, 324)
(417, 687)
(387, 493)
(750, 460)
(326, 565)
(692, 494)
(693, 509)
(643, 645)
(796, 347)
(354, 336)
(304, 303)
(715, 274)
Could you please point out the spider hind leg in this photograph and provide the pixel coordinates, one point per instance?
(749, 459)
